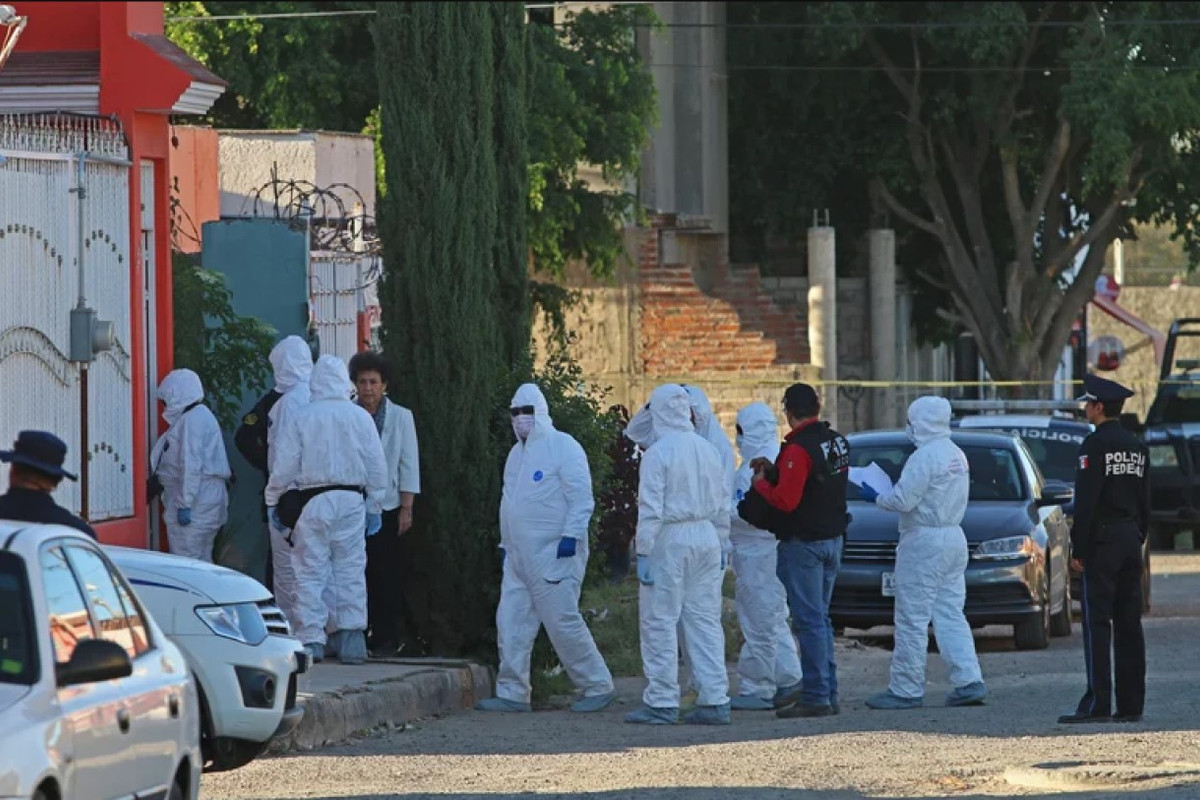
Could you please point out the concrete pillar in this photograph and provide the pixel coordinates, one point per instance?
(882, 314)
(822, 311)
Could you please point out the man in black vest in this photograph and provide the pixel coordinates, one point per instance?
(801, 498)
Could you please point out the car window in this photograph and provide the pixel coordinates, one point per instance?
(994, 471)
(18, 655)
(118, 624)
(68, 617)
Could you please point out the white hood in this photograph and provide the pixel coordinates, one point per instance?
(702, 414)
(930, 419)
(760, 432)
(292, 361)
(529, 394)
(180, 389)
(670, 410)
(207, 582)
(330, 380)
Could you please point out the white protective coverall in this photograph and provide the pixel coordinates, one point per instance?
(683, 525)
(769, 659)
(329, 442)
(547, 496)
(291, 359)
(190, 461)
(931, 558)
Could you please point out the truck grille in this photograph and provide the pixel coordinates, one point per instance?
(277, 624)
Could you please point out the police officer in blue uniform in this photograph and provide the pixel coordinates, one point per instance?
(1112, 511)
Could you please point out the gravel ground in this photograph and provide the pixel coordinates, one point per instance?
(1010, 748)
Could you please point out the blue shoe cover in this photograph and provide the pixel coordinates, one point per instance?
(748, 702)
(588, 705)
(500, 704)
(788, 695)
(333, 644)
(888, 701)
(709, 715)
(316, 652)
(973, 694)
(653, 716)
(352, 647)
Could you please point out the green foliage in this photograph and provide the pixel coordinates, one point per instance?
(299, 72)
(1011, 142)
(445, 318)
(225, 350)
(593, 103)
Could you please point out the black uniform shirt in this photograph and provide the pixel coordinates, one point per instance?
(1111, 484)
(32, 505)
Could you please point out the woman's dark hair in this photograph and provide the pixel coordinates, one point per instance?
(370, 361)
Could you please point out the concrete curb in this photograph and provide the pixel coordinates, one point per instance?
(334, 716)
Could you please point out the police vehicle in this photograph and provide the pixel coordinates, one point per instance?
(1172, 435)
(1052, 437)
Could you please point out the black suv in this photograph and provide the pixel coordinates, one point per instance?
(1172, 434)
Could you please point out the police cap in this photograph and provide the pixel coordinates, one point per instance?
(1102, 390)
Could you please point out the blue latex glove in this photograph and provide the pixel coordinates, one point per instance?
(273, 515)
(566, 547)
(643, 571)
(184, 515)
(867, 493)
(374, 523)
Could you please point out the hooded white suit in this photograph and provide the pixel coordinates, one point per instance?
(547, 497)
(190, 462)
(769, 659)
(291, 360)
(931, 558)
(329, 442)
(683, 524)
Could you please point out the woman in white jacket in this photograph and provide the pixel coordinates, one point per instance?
(190, 463)
(388, 624)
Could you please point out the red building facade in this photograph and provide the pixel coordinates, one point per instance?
(111, 60)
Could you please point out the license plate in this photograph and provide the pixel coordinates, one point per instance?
(889, 584)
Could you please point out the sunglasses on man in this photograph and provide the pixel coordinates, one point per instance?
(517, 411)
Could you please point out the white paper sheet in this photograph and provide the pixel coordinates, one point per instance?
(871, 475)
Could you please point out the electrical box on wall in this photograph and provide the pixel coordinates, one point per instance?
(89, 335)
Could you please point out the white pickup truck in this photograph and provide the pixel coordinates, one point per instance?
(236, 642)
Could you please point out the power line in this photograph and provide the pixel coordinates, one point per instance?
(923, 70)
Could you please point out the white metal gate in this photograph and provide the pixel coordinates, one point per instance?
(340, 285)
(39, 251)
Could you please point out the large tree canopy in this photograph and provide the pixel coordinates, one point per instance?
(591, 100)
(1018, 139)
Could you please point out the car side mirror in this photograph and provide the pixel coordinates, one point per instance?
(1055, 494)
(93, 661)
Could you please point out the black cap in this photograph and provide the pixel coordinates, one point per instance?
(801, 400)
(41, 451)
(1102, 390)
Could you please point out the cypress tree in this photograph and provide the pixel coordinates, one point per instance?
(453, 141)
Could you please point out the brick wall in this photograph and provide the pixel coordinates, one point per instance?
(699, 314)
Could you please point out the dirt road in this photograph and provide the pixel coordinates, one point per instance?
(1011, 747)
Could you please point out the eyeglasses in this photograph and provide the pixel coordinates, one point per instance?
(519, 410)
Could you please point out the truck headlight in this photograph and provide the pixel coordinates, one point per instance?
(1163, 455)
(241, 622)
(1009, 547)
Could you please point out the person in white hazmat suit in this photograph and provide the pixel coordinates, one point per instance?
(769, 664)
(331, 450)
(931, 563)
(545, 510)
(292, 362)
(190, 463)
(683, 524)
(641, 431)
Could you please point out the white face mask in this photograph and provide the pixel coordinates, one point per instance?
(523, 426)
(741, 442)
(912, 434)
